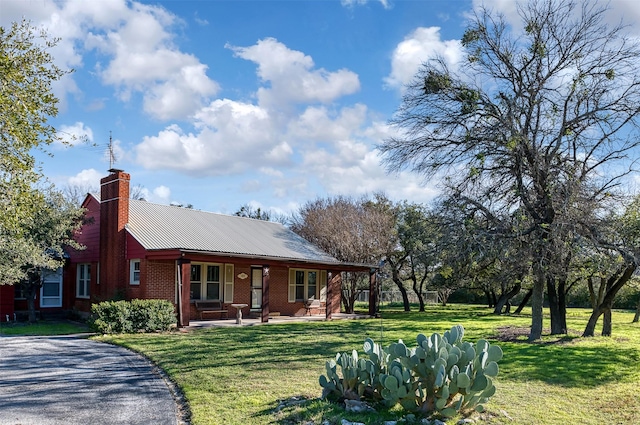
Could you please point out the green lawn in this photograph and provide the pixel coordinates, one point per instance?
(43, 327)
(237, 375)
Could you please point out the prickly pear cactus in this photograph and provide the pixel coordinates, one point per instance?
(442, 374)
(356, 377)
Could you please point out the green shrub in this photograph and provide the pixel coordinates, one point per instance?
(111, 317)
(440, 375)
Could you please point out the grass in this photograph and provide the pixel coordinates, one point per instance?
(42, 327)
(238, 375)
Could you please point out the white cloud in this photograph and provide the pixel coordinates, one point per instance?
(86, 179)
(292, 77)
(322, 124)
(356, 170)
(161, 194)
(231, 136)
(625, 11)
(418, 47)
(352, 3)
(74, 134)
(137, 43)
(174, 84)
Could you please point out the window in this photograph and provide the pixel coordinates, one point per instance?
(196, 283)
(205, 281)
(213, 282)
(303, 284)
(83, 279)
(300, 285)
(311, 284)
(51, 290)
(134, 272)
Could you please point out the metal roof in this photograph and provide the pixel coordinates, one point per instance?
(162, 227)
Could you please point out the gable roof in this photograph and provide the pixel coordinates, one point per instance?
(163, 227)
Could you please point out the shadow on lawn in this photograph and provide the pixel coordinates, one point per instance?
(574, 363)
(567, 362)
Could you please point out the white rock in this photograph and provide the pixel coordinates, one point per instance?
(506, 415)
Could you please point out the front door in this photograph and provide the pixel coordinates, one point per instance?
(256, 288)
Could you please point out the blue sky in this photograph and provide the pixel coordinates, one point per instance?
(223, 103)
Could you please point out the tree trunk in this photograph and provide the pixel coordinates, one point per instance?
(524, 302)
(403, 292)
(395, 276)
(562, 304)
(558, 319)
(487, 294)
(420, 298)
(537, 297)
(589, 330)
(614, 284)
(606, 322)
(636, 318)
(31, 303)
(444, 297)
(504, 299)
(418, 287)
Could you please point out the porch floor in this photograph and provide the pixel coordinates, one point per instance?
(231, 321)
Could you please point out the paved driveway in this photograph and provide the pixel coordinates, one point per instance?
(75, 381)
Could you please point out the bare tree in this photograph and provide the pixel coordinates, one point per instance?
(545, 120)
(76, 193)
(351, 230)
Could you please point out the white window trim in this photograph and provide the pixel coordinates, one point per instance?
(321, 278)
(86, 283)
(132, 270)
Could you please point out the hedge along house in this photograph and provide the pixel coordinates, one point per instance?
(136, 249)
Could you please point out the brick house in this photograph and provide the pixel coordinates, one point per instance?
(136, 249)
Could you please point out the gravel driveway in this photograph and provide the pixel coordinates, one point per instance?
(76, 381)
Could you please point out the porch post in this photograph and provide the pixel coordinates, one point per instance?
(327, 310)
(184, 312)
(265, 294)
(372, 292)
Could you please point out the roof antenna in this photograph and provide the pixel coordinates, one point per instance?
(112, 157)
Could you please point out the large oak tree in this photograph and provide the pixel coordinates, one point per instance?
(544, 119)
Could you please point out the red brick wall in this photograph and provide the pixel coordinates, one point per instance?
(158, 279)
(89, 234)
(114, 214)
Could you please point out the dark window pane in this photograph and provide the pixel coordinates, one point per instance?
(195, 273)
(213, 291)
(50, 289)
(311, 291)
(213, 273)
(195, 291)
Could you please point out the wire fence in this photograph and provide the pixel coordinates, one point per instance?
(429, 297)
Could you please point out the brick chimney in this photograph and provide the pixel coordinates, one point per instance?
(114, 215)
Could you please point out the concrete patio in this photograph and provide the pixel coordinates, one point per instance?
(231, 321)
